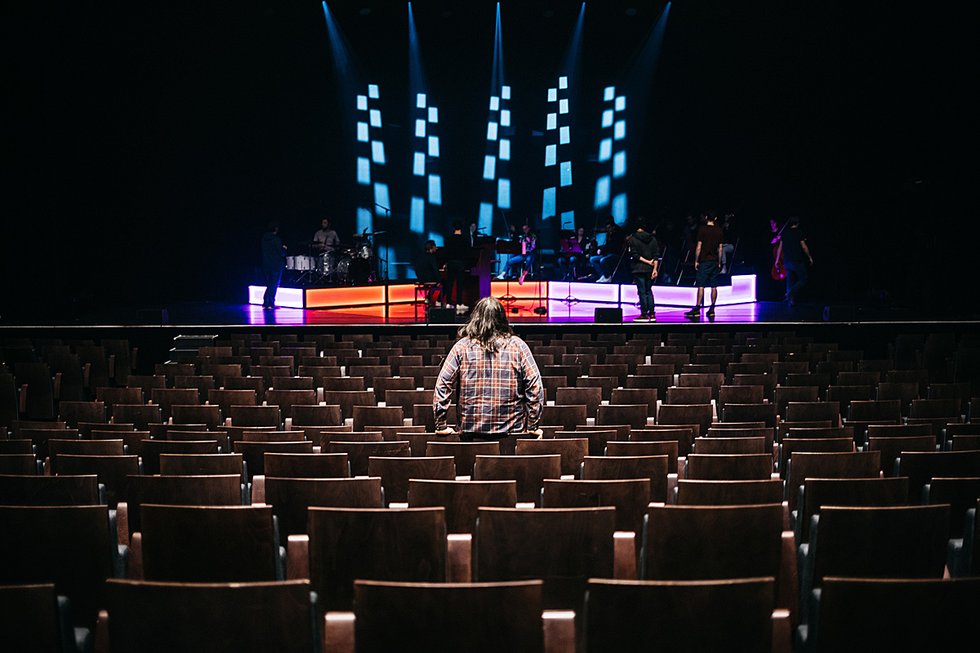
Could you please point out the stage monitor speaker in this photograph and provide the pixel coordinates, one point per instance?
(442, 315)
(608, 315)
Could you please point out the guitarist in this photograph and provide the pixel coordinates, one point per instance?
(795, 255)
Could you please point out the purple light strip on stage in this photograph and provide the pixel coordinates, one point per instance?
(286, 297)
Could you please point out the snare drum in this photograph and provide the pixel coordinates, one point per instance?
(365, 252)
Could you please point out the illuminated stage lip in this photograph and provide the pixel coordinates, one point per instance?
(556, 294)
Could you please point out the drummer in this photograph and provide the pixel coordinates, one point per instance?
(325, 240)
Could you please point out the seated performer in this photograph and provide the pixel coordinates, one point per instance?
(427, 271)
(528, 255)
(574, 249)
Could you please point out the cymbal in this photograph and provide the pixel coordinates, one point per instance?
(376, 233)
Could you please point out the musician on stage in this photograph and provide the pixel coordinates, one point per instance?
(457, 258)
(427, 271)
(574, 248)
(325, 240)
(528, 255)
(608, 255)
(514, 237)
(273, 261)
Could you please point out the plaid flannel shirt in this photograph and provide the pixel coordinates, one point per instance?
(499, 392)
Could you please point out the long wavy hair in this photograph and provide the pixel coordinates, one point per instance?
(488, 322)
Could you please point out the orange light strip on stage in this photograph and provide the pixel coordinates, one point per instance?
(403, 292)
(527, 290)
(336, 297)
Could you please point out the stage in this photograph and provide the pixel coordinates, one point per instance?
(533, 301)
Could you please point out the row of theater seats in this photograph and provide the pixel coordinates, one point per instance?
(662, 506)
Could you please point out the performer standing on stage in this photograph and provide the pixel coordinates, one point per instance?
(608, 253)
(499, 387)
(457, 255)
(645, 265)
(273, 262)
(427, 271)
(707, 254)
(795, 255)
(325, 240)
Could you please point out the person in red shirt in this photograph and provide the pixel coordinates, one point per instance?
(707, 257)
(500, 391)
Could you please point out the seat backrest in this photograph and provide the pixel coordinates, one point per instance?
(208, 544)
(68, 545)
(732, 445)
(204, 464)
(448, 616)
(960, 493)
(22, 490)
(111, 471)
(396, 472)
(809, 464)
(464, 453)
(732, 467)
(254, 452)
(367, 416)
(693, 542)
(818, 492)
(789, 446)
(461, 499)
(700, 414)
(667, 448)
(920, 467)
(633, 414)
(628, 496)
(358, 453)
(528, 471)
(211, 490)
(571, 450)
(714, 615)
(291, 498)
(157, 617)
(562, 546)
(683, 435)
(863, 614)
(373, 544)
(721, 493)
(653, 468)
(306, 465)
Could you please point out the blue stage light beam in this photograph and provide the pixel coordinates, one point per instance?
(496, 190)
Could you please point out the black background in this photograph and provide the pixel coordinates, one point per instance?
(147, 144)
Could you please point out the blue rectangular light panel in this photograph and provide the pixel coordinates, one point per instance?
(434, 146)
(489, 167)
(566, 173)
(605, 150)
(381, 198)
(420, 100)
(375, 118)
(550, 155)
(621, 103)
(607, 118)
(491, 131)
(564, 135)
(435, 190)
(609, 94)
(433, 114)
(505, 92)
(619, 208)
(418, 165)
(563, 82)
(373, 91)
(552, 121)
(619, 132)
(363, 170)
(602, 191)
(420, 128)
(494, 103)
(417, 217)
(485, 221)
(362, 103)
(503, 193)
(563, 106)
(378, 152)
(548, 203)
(505, 149)
(505, 118)
(362, 132)
(365, 220)
(552, 95)
(619, 165)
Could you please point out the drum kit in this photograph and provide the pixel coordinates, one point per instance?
(346, 265)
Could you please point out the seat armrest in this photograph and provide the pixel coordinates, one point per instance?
(298, 557)
(672, 488)
(22, 408)
(459, 558)
(559, 631)
(782, 631)
(788, 589)
(56, 382)
(624, 555)
(398, 505)
(122, 523)
(135, 570)
(258, 489)
(682, 467)
(102, 632)
(338, 632)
